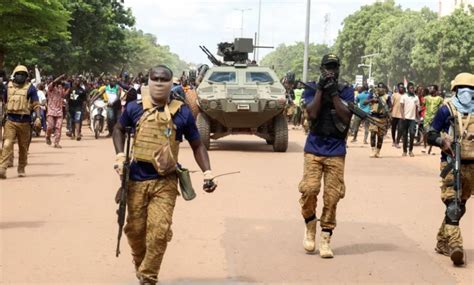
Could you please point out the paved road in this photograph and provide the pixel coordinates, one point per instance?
(58, 225)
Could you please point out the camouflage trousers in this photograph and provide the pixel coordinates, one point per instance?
(376, 129)
(449, 236)
(20, 132)
(148, 229)
(332, 170)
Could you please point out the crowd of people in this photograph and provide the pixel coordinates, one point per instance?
(406, 111)
(67, 98)
(325, 108)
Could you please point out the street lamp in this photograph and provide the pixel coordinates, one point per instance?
(369, 56)
(242, 20)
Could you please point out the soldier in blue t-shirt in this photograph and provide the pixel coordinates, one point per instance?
(160, 125)
(325, 151)
(455, 117)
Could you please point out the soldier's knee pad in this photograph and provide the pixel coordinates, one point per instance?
(450, 205)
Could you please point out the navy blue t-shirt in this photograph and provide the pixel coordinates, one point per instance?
(185, 126)
(326, 146)
(441, 123)
(31, 95)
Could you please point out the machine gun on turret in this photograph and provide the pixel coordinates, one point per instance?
(210, 56)
(236, 52)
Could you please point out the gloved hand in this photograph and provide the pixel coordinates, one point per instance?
(37, 123)
(119, 160)
(210, 184)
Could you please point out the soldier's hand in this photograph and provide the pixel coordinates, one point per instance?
(446, 146)
(119, 160)
(210, 184)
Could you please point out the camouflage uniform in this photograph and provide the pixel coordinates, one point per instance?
(315, 168)
(151, 202)
(449, 236)
(148, 229)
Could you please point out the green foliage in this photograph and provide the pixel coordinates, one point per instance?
(75, 36)
(413, 44)
(290, 58)
(352, 40)
(27, 24)
(445, 48)
(145, 53)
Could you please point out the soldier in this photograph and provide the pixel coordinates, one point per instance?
(461, 108)
(21, 98)
(325, 151)
(160, 123)
(380, 105)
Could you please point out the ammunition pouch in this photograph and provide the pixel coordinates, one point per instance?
(185, 184)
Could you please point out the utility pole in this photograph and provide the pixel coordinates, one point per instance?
(369, 56)
(258, 29)
(242, 21)
(327, 20)
(306, 41)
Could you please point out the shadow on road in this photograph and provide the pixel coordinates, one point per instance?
(271, 251)
(251, 146)
(50, 175)
(362, 248)
(24, 224)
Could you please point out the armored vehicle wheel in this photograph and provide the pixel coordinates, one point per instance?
(280, 127)
(204, 128)
(191, 100)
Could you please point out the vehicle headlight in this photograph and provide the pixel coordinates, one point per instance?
(272, 104)
(213, 104)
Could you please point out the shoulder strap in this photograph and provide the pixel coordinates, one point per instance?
(174, 106)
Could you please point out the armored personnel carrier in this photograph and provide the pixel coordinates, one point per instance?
(238, 97)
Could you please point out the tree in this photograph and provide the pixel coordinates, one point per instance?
(445, 47)
(394, 39)
(26, 24)
(290, 58)
(145, 53)
(351, 41)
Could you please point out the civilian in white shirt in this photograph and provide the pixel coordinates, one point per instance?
(42, 100)
(409, 109)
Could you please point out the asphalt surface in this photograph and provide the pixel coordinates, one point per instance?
(58, 224)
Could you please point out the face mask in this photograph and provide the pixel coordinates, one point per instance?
(19, 78)
(159, 91)
(465, 96)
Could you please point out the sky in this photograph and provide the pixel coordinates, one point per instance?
(185, 24)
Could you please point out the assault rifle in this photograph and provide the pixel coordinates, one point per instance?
(354, 110)
(121, 198)
(454, 211)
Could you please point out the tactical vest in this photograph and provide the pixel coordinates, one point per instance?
(155, 130)
(18, 102)
(380, 108)
(328, 124)
(464, 126)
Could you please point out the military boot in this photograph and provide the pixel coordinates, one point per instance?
(324, 247)
(146, 281)
(310, 236)
(455, 241)
(21, 171)
(374, 151)
(457, 255)
(3, 173)
(377, 153)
